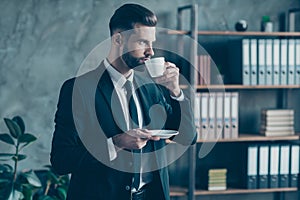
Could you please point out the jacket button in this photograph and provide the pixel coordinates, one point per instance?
(127, 187)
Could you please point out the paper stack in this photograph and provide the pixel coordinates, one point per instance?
(277, 122)
(217, 179)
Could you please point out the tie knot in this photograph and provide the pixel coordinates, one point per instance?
(129, 88)
(128, 85)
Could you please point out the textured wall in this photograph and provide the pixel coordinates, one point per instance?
(42, 43)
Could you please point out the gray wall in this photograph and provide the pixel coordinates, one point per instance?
(42, 43)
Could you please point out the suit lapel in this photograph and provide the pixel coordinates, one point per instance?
(106, 88)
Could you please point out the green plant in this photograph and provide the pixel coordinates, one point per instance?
(16, 185)
(56, 186)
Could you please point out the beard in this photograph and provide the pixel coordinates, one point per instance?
(134, 62)
(131, 61)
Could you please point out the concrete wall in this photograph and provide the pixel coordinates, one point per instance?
(42, 43)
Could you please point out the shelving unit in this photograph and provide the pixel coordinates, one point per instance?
(191, 192)
(234, 33)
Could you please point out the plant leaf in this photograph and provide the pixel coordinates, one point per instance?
(27, 191)
(52, 177)
(16, 195)
(20, 157)
(5, 168)
(4, 181)
(32, 179)
(6, 156)
(5, 137)
(62, 193)
(20, 122)
(45, 198)
(27, 138)
(13, 128)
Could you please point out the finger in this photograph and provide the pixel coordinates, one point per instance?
(155, 138)
(141, 133)
(169, 64)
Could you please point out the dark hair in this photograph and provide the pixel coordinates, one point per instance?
(128, 15)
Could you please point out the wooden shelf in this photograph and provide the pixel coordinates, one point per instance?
(247, 87)
(221, 87)
(178, 191)
(253, 137)
(233, 33)
(245, 191)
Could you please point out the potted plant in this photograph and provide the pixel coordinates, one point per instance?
(16, 185)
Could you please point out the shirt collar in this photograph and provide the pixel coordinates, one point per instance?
(116, 76)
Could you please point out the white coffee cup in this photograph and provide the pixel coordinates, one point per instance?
(156, 66)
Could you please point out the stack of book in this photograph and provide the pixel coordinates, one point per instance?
(217, 179)
(277, 122)
(203, 70)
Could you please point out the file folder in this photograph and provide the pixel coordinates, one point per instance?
(269, 58)
(294, 176)
(261, 62)
(276, 61)
(204, 116)
(246, 61)
(197, 112)
(227, 115)
(234, 114)
(291, 62)
(297, 64)
(252, 167)
(284, 165)
(283, 62)
(253, 62)
(212, 113)
(219, 115)
(263, 169)
(274, 166)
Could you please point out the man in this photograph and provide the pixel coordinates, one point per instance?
(102, 135)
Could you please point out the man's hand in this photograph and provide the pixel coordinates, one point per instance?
(133, 139)
(170, 79)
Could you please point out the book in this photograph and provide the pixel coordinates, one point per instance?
(277, 133)
(276, 112)
(277, 128)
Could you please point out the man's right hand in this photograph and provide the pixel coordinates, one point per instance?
(133, 139)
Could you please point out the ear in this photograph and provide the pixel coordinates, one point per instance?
(117, 39)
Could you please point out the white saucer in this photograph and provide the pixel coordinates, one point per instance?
(163, 134)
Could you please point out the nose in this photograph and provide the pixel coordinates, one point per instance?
(149, 51)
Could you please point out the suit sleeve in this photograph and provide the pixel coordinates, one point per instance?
(68, 154)
(181, 118)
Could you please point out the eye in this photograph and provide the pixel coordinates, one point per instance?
(142, 42)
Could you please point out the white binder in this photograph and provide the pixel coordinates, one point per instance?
(204, 116)
(252, 167)
(261, 62)
(212, 114)
(294, 166)
(246, 61)
(284, 165)
(291, 62)
(297, 64)
(234, 114)
(263, 170)
(227, 115)
(274, 166)
(276, 61)
(269, 58)
(283, 62)
(219, 115)
(197, 115)
(253, 62)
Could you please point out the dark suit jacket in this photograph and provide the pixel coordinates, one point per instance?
(87, 108)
